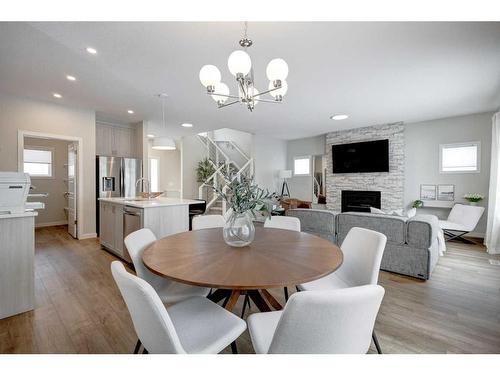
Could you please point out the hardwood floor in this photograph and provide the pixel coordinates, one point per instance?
(79, 308)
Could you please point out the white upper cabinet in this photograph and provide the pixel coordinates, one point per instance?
(115, 141)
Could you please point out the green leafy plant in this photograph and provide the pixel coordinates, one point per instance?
(418, 203)
(473, 197)
(243, 195)
(204, 170)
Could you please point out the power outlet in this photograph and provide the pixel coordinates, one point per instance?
(495, 262)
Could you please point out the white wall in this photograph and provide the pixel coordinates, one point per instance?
(422, 158)
(56, 186)
(192, 151)
(301, 186)
(170, 169)
(269, 158)
(244, 140)
(26, 114)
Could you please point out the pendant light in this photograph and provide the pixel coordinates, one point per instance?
(163, 143)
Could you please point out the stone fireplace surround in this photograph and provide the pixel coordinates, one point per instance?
(389, 184)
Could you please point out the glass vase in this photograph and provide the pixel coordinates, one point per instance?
(239, 230)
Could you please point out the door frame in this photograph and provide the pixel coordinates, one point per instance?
(20, 162)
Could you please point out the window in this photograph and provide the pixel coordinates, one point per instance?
(460, 157)
(38, 161)
(154, 174)
(302, 166)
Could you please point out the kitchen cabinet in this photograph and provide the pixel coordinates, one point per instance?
(115, 140)
(111, 229)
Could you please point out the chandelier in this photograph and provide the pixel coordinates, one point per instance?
(240, 66)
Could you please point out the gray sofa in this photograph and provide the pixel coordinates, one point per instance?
(412, 244)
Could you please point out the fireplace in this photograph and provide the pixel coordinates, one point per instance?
(360, 201)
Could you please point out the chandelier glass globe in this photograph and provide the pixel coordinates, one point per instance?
(220, 88)
(239, 62)
(209, 75)
(277, 69)
(281, 91)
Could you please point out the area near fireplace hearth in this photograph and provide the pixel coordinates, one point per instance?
(390, 184)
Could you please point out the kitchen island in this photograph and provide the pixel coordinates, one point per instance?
(17, 258)
(120, 216)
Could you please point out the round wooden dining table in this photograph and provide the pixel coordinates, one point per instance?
(276, 258)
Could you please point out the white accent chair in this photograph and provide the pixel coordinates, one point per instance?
(169, 291)
(196, 325)
(283, 222)
(331, 322)
(363, 250)
(461, 220)
(208, 221)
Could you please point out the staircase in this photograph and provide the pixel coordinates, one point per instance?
(229, 162)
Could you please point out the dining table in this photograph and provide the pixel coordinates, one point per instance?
(276, 258)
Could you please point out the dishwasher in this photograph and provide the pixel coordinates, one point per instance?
(132, 221)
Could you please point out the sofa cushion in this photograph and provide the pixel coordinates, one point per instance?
(422, 230)
(392, 226)
(315, 221)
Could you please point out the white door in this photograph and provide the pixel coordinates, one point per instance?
(72, 188)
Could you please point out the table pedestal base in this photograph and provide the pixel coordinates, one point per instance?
(261, 297)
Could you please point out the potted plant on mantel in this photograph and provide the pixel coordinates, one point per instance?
(473, 198)
(243, 198)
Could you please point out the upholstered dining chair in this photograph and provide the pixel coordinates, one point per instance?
(283, 222)
(195, 325)
(326, 322)
(208, 221)
(363, 250)
(168, 291)
(462, 219)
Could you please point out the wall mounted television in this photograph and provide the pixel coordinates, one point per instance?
(361, 157)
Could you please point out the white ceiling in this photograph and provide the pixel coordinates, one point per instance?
(375, 72)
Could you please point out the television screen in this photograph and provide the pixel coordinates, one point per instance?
(361, 157)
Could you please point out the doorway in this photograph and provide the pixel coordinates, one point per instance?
(54, 165)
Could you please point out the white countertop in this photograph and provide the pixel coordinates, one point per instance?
(149, 203)
(20, 214)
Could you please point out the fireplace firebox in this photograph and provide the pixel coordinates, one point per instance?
(359, 201)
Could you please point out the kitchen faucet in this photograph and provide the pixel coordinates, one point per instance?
(148, 184)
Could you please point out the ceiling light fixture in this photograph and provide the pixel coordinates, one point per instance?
(130, 111)
(338, 117)
(91, 50)
(163, 143)
(56, 95)
(150, 135)
(70, 78)
(240, 66)
(186, 125)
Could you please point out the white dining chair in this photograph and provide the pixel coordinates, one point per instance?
(208, 221)
(327, 322)
(363, 250)
(462, 219)
(168, 290)
(195, 325)
(283, 222)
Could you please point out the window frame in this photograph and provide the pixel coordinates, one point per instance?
(52, 158)
(308, 157)
(157, 171)
(458, 145)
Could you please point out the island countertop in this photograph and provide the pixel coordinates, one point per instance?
(149, 203)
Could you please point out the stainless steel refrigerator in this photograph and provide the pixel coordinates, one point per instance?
(116, 177)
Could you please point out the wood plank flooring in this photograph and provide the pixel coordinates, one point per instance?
(79, 308)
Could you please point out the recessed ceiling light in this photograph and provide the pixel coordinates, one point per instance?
(150, 135)
(339, 117)
(186, 125)
(70, 78)
(130, 111)
(56, 95)
(91, 50)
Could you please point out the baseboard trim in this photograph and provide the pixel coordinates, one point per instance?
(87, 235)
(51, 224)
